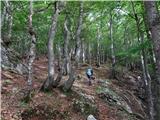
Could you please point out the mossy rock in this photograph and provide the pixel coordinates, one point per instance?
(85, 106)
(112, 98)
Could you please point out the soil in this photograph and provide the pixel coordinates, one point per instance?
(53, 105)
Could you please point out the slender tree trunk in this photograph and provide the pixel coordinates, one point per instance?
(7, 17)
(112, 46)
(98, 47)
(59, 56)
(51, 72)
(89, 53)
(126, 46)
(78, 33)
(33, 46)
(31, 56)
(153, 18)
(103, 59)
(83, 53)
(7, 9)
(66, 66)
(148, 81)
(146, 76)
(3, 15)
(10, 21)
(149, 38)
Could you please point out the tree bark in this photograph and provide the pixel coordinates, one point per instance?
(66, 66)
(7, 20)
(126, 46)
(69, 83)
(153, 19)
(89, 53)
(146, 75)
(3, 15)
(83, 52)
(147, 79)
(78, 32)
(27, 95)
(149, 38)
(112, 46)
(33, 46)
(10, 20)
(98, 47)
(47, 85)
(60, 51)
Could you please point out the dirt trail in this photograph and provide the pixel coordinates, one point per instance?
(102, 73)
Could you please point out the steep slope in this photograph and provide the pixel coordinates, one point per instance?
(106, 99)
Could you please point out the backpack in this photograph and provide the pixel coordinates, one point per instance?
(89, 72)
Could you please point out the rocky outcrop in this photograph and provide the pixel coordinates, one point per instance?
(11, 61)
(112, 98)
(115, 99)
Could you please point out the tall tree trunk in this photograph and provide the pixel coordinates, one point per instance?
(146, 76)
(83, 52)
(3, 15)
(126, 46)
(112, 46)
(31, 56)
(149, 38)
(148, 81)
(47, 85)
(103, 55)
(33, 46)
(98, 47)
(78, 32)
(7, 19)
(153, 18)
(66, 66)
(10, 20)
(89, 53)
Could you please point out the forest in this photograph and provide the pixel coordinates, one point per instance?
(80, 60)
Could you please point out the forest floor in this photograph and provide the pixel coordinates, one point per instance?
(118, 101)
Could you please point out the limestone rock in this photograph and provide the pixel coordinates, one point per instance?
(91, 117)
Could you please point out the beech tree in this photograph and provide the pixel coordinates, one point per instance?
(51, 35)
(67, 64)
(112, 45)
(146, 75)
(78, 33)
(32, 47)
(154, 27)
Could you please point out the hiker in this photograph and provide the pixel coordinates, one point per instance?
(89, 73)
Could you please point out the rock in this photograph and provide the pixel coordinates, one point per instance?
(14, 90)
(91, 117)
(89, 97)
(21, 68)
(112, 98)
(4, 57)
(11, 61)
(85, 104)
(63, 96)
(84, 107)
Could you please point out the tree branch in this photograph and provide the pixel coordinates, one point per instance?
(43, 9)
